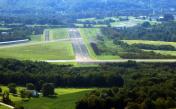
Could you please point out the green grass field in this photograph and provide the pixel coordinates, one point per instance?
(149, 42)
(3, 107)
(58, 33)
(36, 38)
(46, 51)
(130, 23)
(164, 52)
(65, 99)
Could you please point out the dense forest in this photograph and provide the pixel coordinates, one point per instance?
(66, 76)
(19, 32)
(147, 86)
(135, 85)
(161, 32)
(61, 12)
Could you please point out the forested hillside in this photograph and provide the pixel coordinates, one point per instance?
(84, 5)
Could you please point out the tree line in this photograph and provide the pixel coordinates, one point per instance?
(22, 72)
(155, 47)
(160, 32)
(19, 33)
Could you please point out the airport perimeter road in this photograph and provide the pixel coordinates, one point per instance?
(114, 61)
(79, 47)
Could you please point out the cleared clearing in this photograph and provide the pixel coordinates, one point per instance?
(65, 99)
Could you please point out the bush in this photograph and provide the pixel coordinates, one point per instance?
(0, 90)
(12, 88)
(30, 86)
(48, 89)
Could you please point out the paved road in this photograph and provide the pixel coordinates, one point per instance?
(33, 43)
(14, 42)
(47, 33)
(115, 61)
(6, 105)
(79, 47)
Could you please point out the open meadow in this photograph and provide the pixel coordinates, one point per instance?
(66, 98)
(164, 52)
(3, 107)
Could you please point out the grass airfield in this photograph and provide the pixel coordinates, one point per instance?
(37, 49)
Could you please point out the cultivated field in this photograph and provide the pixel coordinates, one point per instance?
(164, 52)
(117, 23)
(150, 42)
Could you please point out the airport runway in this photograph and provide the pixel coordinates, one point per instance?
(79, 47)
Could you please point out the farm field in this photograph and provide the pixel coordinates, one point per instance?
(89, 35)
(150, 42)
(42, 51)
(173, 53)
(131, 22)
(164, 52)
(117, 23)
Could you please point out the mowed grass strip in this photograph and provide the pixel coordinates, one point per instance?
(90, 35)
(46, 51)
(66, 99)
